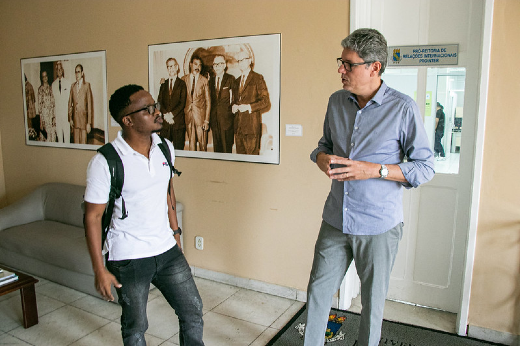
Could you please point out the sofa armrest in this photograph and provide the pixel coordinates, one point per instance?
(26, 210)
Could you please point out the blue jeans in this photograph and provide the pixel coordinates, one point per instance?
(171, 274)
(374, 257)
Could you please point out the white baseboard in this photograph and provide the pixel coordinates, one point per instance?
(493, 336)
(250, 284)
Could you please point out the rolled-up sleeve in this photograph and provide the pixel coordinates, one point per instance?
(419, 165)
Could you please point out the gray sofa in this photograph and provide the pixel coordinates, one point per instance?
(42, 234)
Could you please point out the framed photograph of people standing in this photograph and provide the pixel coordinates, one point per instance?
(65, 102)
(220, 98)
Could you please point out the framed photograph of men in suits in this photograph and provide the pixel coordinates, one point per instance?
(220, 98)
(65, 102)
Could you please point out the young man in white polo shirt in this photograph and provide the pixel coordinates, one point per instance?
(143, 247)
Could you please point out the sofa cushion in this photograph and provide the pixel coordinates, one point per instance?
(53, 242)
(62, 203)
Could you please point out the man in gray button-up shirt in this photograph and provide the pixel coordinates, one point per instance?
(373, 144)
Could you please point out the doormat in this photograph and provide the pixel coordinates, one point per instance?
(342, 330)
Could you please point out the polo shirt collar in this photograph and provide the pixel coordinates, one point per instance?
(127, 149)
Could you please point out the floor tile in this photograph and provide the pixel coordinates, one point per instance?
(47, 304)
(9, 340)
(265, 337)
(213, 293)
(172, 342)
(229, 331)
(259, 308)
(9, 295)
(99, 307)
(110, 334)
(162, 320)
(154, 293)
(11, 315)
(60, 327)
(287, 315)
(59, 292)
(152, 340)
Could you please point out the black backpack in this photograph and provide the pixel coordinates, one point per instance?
(117, 179)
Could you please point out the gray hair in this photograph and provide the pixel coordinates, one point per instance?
(369, 44)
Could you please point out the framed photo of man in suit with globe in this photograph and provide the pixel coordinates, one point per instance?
(221, 97)
(65, 102)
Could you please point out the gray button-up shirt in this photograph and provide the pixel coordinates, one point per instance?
(388, 130)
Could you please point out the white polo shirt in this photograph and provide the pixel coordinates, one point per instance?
(146, 231)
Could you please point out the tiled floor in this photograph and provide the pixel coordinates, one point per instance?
(232, 316)
(448, 165)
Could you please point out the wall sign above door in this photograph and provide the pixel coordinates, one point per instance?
(423, 55)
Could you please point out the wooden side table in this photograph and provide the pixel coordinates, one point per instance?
(25, 284)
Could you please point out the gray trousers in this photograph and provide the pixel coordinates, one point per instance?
(374, 257)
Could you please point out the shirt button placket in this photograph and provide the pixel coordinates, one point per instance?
(352, 144)
(345, 198)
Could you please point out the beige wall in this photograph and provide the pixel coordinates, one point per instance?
(3, 198)
(258, 221)
(495, 297)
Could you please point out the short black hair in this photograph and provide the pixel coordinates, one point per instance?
(196, 57)
(120, 99)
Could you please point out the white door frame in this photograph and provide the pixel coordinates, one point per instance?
(462, 316)
(359, 18)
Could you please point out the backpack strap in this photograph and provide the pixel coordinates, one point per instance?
(117, 179)
(167, 153)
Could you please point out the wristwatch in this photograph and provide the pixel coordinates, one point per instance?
(383, 172)
(177, 231)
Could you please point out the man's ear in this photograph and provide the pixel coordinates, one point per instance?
(127, 121)
(376, 67)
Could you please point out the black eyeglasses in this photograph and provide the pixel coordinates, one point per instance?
(151, 109)
(348, 65)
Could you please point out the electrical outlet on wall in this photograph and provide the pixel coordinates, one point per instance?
(199, 243)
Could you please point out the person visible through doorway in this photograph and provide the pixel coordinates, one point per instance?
(439, 133)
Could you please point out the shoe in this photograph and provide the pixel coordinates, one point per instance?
(441, 158)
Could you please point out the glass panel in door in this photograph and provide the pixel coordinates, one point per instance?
(443, 120)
